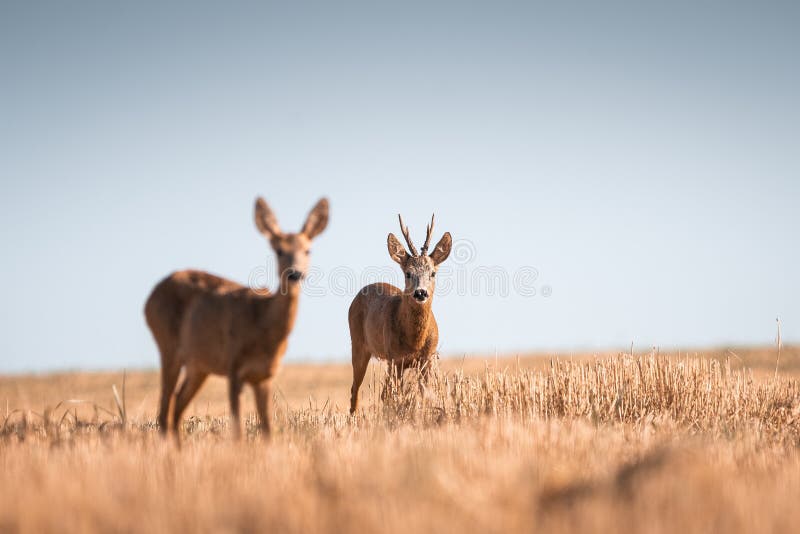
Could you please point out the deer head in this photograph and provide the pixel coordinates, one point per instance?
(292, 250)
(419, 267)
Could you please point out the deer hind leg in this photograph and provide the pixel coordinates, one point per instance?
(191, 383)
(170, 370)
(234, 392)
(263, 394)
(360, 363)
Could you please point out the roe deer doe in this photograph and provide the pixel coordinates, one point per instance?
(209, 325)
(393, 324)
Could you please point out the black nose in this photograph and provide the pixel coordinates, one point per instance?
(294, 276)
(421, 294)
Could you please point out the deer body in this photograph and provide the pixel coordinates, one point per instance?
(239, 331)
(391, 328)
(206, 324)
(393, 324)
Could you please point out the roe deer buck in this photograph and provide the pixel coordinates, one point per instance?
(210, 325)
(393, 324)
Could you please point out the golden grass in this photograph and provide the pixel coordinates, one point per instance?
(613, 443)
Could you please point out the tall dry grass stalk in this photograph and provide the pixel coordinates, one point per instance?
(778, 345)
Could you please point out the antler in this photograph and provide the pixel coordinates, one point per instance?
(404, 229)
(428, 236)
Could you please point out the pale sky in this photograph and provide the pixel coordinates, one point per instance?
(643, 158)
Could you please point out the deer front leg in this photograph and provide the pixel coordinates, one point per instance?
(426, 366)
(263, 393)
(234, 389)
(394, 378)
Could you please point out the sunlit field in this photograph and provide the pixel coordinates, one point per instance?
(696, 441)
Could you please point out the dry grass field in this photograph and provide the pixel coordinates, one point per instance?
(701, 441)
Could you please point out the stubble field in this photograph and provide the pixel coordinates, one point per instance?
(703, 441)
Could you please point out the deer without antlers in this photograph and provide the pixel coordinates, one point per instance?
(398, 325)
(206, 324)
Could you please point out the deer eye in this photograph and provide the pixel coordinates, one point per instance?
(408, 275)
(433, 274)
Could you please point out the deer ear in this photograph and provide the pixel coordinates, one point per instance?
(266, 222)
(396, 250)
(442, 249)
(317, 220)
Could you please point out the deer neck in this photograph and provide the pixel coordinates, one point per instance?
(283, 309)
(413, 320)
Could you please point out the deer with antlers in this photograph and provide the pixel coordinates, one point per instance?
(206, 324)
(393, 324)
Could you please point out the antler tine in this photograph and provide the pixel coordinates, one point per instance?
(428, 236)
(404, 229)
